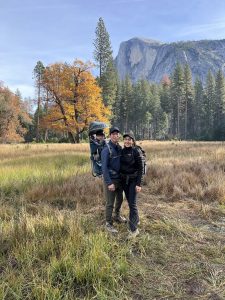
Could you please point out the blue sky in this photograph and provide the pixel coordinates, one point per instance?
(63, 30)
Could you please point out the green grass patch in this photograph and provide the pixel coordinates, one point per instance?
(19, 175)
(52, 255)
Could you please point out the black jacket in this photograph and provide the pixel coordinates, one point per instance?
(131, 164)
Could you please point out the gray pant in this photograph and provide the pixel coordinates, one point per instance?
(111, 198)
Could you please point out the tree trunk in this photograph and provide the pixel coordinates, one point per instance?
(70, 134)
(38, 111)
(71, 137)
(186, 116)
(46, 131)
(77, 138)
(178, 118)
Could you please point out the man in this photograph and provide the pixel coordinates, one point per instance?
(110, 158)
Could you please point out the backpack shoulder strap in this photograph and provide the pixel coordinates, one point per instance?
(140, 150)
(109, 148)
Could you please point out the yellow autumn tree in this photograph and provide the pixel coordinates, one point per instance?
(13, 117)
(74, 98)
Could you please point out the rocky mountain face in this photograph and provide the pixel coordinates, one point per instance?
(151, 60)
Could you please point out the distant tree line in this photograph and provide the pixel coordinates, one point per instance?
(176, 108)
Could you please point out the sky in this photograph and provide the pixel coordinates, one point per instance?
(63, 30)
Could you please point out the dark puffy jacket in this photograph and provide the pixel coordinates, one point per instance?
(131, 164)
(111, 162)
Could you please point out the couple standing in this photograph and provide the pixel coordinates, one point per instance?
(122, 171)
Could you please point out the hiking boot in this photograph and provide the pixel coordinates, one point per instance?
(110, 228)
(133, 234)
(119, 219)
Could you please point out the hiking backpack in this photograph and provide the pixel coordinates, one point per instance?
(96, 164)
(96, 147)
(143, 159)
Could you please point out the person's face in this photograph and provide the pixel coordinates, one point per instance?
(128, 142)
(115, 137)
(100, 137)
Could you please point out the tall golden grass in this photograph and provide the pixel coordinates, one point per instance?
(52, 239)
(179, 170)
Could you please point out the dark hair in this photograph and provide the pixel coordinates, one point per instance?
(131, 136)
(99, 132)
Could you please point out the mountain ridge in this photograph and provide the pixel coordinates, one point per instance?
(142, 58)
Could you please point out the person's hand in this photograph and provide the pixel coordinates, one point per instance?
(111, 187)
(138, 188)
(96, 156)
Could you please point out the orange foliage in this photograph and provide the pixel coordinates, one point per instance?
(75, 98)
(166, 80)
(13, 115)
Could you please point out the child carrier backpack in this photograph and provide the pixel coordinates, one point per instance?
(96, 147)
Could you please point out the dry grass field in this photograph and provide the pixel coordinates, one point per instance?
(52, 239)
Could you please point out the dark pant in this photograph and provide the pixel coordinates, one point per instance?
(111, 198)
(131, 195)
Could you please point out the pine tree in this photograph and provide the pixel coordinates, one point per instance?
(158, 117)
(104, 58)
(165, 101)
(219, 117)
(188, 103)
(129, 109)
(103, 49)
(178, 102)
(38, 115)
(122, 108)
(140, 116)
(137, 109)
(116, 108)
(108, 84)
(209, 107)
(124, 104)
(146, 107)
(161, 124)
(165, 94)
(198, 109)
(38, 74)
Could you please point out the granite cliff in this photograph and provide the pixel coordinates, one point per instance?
(150, 59)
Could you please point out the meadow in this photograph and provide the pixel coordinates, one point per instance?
(52, 239)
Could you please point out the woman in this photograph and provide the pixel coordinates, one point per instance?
(131, 170)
